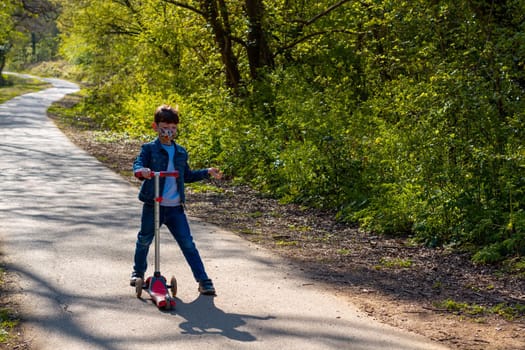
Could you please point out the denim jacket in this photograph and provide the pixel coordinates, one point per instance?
(155, 157)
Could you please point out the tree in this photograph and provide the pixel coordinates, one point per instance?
(252, 32)
(249, 34)
(24, 22)
(7, 31)
(36, 19)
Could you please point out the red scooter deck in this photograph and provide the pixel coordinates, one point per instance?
(158, 291)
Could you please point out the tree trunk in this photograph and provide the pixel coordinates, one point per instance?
(2, 65)
(220, 24)
(259, 53)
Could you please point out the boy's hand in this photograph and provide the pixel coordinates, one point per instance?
(145, 173)
(216, 173)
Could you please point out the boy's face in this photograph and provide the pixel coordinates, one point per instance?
(166, 131)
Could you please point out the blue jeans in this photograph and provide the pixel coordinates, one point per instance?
(176, 221)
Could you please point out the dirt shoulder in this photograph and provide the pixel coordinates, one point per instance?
(395, 282)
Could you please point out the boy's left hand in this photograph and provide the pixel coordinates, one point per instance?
(216, 173)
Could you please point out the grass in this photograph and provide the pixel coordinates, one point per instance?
(202, 187)
(344, 251)
(284, 243)
(17, 86)
(8, 320)
(508, 311)
(299, 228)
(255, 215)
(68, 113)
(394, 263)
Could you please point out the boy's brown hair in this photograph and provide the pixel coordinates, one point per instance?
(167, 114)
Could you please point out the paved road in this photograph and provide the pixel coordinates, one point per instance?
(68, 228)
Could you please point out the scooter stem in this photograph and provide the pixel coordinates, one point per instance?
(157, 222)
(157, 175)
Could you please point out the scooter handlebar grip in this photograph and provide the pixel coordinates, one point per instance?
(168, 173)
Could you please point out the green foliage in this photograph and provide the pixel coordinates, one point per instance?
(405, 118)
(495, 252)
(517, 266)
(7, 323)
(28, 33)
(57, 69)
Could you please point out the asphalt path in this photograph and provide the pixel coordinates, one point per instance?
(68, 227)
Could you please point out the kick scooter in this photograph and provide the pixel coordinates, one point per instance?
(156, 286)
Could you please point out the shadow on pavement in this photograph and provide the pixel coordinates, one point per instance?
(63, 321)
(204, 317)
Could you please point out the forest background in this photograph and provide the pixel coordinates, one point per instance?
(404, 117)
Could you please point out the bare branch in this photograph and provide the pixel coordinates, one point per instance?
(185, 6)
(303, 23)
(120, 30)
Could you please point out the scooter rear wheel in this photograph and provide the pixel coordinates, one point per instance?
(138, 287)
(173, 286)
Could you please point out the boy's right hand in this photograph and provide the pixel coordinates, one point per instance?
(145, 173)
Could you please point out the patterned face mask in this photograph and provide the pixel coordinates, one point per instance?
(165, 132)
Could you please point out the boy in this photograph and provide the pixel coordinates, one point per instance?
(163, 154)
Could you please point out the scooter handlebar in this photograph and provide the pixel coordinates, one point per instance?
(160, 173)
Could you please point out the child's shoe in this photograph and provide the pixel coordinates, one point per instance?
(134, 276)
(206, 287)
